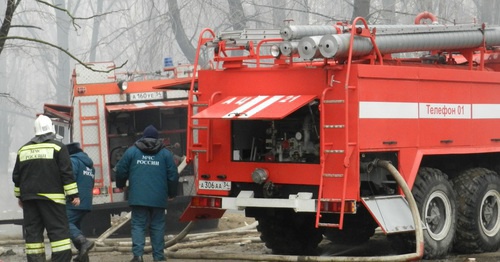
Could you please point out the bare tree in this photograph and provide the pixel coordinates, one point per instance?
(488, 11)
(180, 34)
(361, 8)
(279, 15)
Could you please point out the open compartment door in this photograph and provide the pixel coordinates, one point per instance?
(255, 107)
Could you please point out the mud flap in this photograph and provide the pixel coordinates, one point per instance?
(392, 213)
(199, 213)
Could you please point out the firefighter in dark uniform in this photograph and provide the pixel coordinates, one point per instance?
(153, 178)
(43, 179)
(84, 172)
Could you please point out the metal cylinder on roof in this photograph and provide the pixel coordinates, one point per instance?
(308, 47)
(292, 32)
(338, 45)
(295, 32)
(289, 48)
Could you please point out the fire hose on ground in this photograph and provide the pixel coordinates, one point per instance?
(174, 244)
(404, 257)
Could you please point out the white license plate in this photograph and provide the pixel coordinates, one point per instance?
(214, 185)
(146, 96)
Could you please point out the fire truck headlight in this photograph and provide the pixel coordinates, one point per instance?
(122, 85)
(275, 51)
(259, 175)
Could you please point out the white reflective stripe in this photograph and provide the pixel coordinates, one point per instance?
(244, 107)
(71, 189)
(61, 245)
(388, 110)
(36, 153)
(41, 145)
(445, 111)
(35, 251)
(261, 106)
(35, 248)
(422, 110)
(58, 198)
(486, 111)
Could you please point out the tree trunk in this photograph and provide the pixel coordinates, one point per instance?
(62, 66)
(237, 15)
(5, 28)
(180, 35)
(389, 12)
(95, 32)
(279, 14)
(362, 9)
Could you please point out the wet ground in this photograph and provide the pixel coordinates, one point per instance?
(234, 240)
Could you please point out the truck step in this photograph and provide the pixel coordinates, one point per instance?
(334, 101)
(330, 199)
(200, 127)
(333, 175)
(334, 151)
(199, 104)
(334, 126)
(328, 225)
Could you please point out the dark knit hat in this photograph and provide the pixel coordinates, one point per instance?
(74, 148)
(150, 132)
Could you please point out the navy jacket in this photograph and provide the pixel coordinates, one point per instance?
(84, 172)
(151, 171)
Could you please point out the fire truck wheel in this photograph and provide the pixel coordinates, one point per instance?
(478, 211)
(435, 199)
(289, 233)
(436, 202)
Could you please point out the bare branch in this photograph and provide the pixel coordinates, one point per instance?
(63, 50)
(15, 101)
(75, 25)
(74, 18)
(26, 26)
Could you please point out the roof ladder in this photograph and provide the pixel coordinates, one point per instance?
(89, 141)
(194, 129)
(197, 126)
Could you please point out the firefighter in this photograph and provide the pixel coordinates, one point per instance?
(153, 178)
(84, 172)
(43, 180)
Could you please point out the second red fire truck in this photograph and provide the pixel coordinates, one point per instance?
(109, 110)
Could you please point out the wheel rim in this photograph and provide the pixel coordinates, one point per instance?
(490, 215)
(437, 215)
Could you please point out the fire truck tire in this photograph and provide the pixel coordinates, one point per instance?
(435, 198)
(289, 233)
(478, 211)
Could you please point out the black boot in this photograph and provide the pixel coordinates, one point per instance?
(36, 258)
(85, 246)
(136, 259)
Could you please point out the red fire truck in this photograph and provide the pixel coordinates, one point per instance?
(108, 112)
(318, 131)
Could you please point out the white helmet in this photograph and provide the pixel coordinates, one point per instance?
(43, 125)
